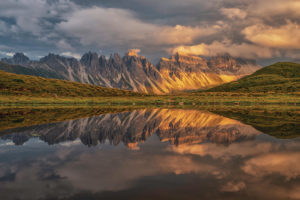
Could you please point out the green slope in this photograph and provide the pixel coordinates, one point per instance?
(280, 77)
(18, 69)
(14, 84)
(280, 124)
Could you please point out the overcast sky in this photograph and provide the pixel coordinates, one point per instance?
(264, 30)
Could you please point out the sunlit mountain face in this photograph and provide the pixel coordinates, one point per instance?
(147, 154)
(133, 72)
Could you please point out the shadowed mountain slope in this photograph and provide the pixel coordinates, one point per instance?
(14, 84)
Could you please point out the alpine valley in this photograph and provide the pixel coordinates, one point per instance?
(133, 72)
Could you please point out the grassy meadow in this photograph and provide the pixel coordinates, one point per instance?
(275, 84)
(183, 99)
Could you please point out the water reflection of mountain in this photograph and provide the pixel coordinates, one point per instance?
(175, 126)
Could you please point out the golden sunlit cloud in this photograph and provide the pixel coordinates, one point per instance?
(244, 49)
(287, 36)
(183, 34)
(123, 28)
(270, 8)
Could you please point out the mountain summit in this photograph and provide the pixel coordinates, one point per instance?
(137, 73)
(18, 58)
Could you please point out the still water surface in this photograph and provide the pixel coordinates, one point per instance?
(148, 154)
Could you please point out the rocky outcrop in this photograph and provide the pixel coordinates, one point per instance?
(227, 65)
(17, 59)
(134, 72)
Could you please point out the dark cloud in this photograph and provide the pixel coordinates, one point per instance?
(156, 27)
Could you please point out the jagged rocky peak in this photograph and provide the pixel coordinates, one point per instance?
(90, 59)
(115, 59)
(18, 59)
(102, 60)
(183, 62)
(184, 58)
(132, 59)
(189, 59)
(226, 62)
(51, 57)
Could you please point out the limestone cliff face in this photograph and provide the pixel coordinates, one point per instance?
(134, 72)
(184, 72)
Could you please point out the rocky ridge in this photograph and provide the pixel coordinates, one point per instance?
(134, 72)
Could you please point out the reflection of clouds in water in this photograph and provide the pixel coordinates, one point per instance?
(7, 144)
(72, 169)
(244, 149)
(117, 170)
(72, 143)
(286, 164)
(233, 187)
(247, 165)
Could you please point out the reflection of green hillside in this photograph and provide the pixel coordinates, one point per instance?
(283, 124)
(21, 117)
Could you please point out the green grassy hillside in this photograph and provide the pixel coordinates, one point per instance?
(280, 124)
(18, 69)
(281, 77)
(14, 84)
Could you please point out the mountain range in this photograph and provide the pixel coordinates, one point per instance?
(134, 72)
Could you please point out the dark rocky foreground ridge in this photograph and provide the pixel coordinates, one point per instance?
(134, 72)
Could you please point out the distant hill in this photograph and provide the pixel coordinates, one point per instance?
(18, 69)
(14, 84)
(280, 77)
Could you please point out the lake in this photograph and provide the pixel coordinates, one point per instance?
(149, 154)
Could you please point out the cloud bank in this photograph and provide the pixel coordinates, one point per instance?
(256, 29)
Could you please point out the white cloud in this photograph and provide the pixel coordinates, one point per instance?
(10, 54)
(62, 44)
(70, 54)
(151, 26)
(31, 15)
(118, 27)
